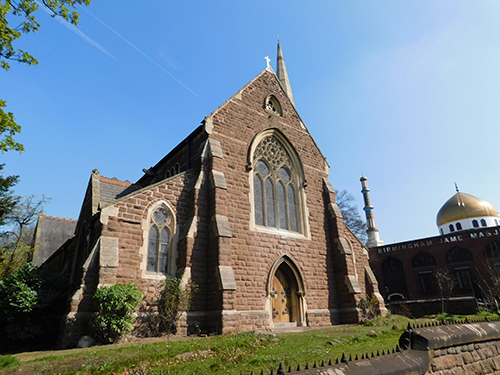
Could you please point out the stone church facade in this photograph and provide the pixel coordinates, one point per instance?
(244, 208)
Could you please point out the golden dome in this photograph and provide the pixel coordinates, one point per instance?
(464, 206)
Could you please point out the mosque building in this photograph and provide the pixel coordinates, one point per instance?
(468, 249)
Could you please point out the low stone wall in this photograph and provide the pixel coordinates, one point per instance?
(481, 358)
(439, 349)
(420, 308)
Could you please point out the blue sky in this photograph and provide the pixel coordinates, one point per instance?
(404, 92)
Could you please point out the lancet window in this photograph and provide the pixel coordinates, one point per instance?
(159, 240)
(275, 187)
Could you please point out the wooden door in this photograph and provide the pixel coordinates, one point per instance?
(281, 299)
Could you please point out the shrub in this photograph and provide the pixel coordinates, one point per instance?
(173, 299)
(116, 306)
(368, 307)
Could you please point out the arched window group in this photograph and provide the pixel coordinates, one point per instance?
(458, 254)
(159, 239)
(492, 250)
(423, 260)
(458, 226)
(275, 187)
(173, 171)
(475, 223)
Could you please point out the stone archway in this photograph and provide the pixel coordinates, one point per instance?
(285, 294)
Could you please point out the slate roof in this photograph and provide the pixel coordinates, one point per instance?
(50, 234)
(112, 189)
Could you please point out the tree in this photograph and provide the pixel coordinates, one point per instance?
(25, 10)
(7, 198)
(489, 281)
(445, 283)
(352, 218)
(8, 129)
(16, 236)
(31, 303)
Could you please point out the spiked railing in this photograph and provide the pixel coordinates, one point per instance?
(345, 359)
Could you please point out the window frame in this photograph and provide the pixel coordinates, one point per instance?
(159, 227)
(297, 182)
(147, 224)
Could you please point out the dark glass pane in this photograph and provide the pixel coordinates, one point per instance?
(262, 168)
(152, 249)
(259, 200)
(285, 175)
(459, 226)
(271, 220)
(160, 216)
(292, 209)
(427, 281)
(475, 224)
(463, 277)
(281, 205)
(483, 222)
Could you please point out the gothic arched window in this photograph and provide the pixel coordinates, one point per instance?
(276, 184)
(483, 222)
(475, 223)
(159, 239)
(459, 226)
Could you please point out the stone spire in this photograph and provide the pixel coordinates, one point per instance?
(283, 75)
(372, 231)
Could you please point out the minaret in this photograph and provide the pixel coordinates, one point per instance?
(283, 75)
(372, 231)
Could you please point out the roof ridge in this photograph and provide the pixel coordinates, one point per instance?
(115, 181)
(59, 218)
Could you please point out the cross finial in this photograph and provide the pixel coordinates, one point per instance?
(268, 60)
(278, 38)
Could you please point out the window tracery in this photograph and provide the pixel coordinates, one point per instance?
(275, 187)
(272, 105)
(159, 240)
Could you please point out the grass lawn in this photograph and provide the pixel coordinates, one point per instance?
(227, 354)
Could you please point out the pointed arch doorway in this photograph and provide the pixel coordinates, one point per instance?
(285, 294)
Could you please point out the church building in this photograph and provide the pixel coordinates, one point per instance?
(467, 248)
(244, 208)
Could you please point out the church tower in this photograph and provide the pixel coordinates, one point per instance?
(372, 231)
